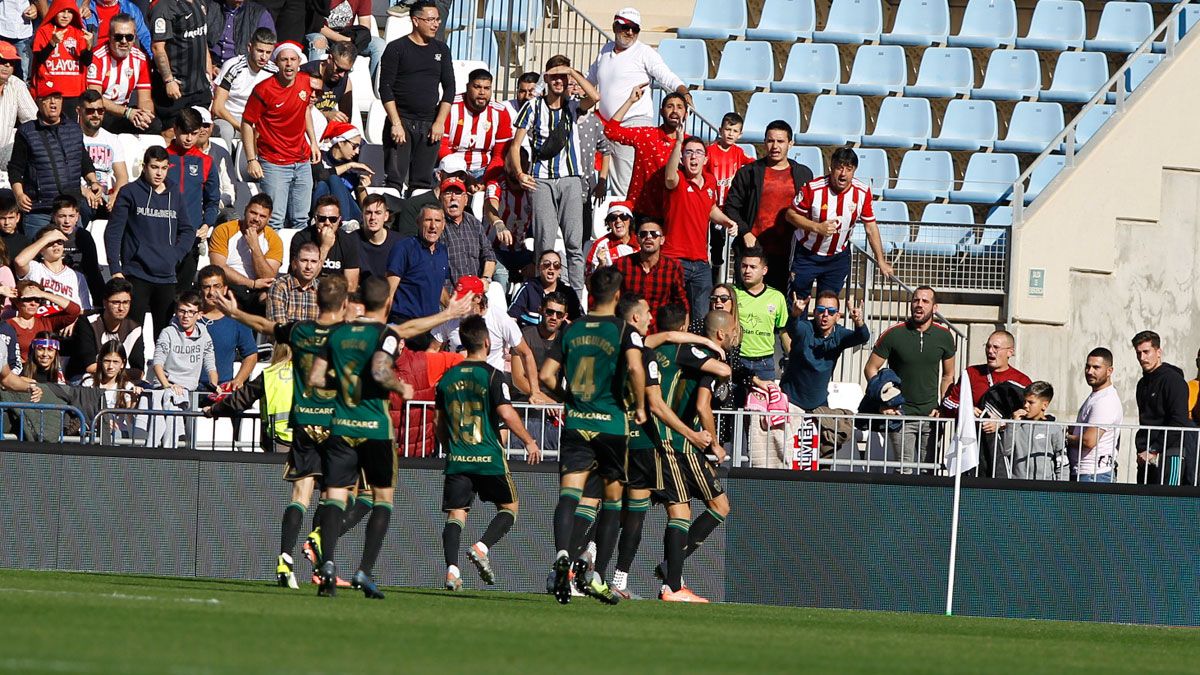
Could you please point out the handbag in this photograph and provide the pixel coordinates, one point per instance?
(547, 148)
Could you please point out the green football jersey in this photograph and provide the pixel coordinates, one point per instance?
(360, 409)
(643, 436)
(311, 406)
(679, 369)
(468, 394)
(592, 352)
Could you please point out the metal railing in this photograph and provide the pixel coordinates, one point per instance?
(416, 436)
(968, 258)
(44, 422)
(176, 429)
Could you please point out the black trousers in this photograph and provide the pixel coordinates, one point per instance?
(158, 299)
(413, 162)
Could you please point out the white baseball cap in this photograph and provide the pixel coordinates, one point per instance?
(453, 163)
(629, 17)
(205, 115)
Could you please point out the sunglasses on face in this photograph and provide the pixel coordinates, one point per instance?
(123, 37)
(93, 111)
(632, 29)
(649, 234)
(340, 70)
(820, 309)
(34, 300)
(558, 313)
(328, 219)
(551, 265)
(719, 298)
(616, 217)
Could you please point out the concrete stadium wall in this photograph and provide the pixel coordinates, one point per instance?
(852, 541)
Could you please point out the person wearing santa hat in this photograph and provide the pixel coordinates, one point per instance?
(619, 241)
(340, 173)
(278, 138)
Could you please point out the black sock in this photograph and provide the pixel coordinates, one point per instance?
(359, 510)
(316, 521)
(608, 526)
(501, 523)
(703, 526)
(674, 541)
(332, 512)
(377, 526)
(585, 518)
(631, 532)
(293, 518)
(451, 538)
(564, 517)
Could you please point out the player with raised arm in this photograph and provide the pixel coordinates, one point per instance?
(358, 358)
(472, 400)
(688, 377)
(598, 352)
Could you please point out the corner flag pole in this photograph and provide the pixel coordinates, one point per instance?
(964, 456)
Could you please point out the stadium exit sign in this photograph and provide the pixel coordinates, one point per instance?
(1037, 282)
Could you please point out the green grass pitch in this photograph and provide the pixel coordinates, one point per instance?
(88, 623)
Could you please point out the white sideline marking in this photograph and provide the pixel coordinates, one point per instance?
(38, 665)
(114, 595)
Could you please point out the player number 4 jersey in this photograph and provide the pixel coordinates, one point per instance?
(360, 409)
(468, 394)
(592, 351)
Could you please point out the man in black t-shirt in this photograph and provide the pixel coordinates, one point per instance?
(339, 250)
(375, 239)
(412, 69)
(182, 63)
(331, 81)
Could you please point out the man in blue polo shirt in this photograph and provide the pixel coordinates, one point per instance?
(418, 268)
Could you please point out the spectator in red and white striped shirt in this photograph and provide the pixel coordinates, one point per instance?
(824, 215)
(508, 213)
(119, 71)
(477, 127)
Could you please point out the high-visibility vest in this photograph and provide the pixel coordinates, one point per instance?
(277, 403)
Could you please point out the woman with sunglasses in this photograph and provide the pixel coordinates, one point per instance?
(44, 366)
(340, 173)
(723, 298)
(526, 308)
(618, 243)
(30, 318)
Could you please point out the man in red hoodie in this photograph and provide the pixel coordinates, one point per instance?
(61, 52)
(200, 183)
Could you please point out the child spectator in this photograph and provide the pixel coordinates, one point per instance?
(61, 53)
(44, 261)
(39, 311)
(79, 248)
(10, 226)
(1036, 451)
(725, 156)
(199, 181)
(113, 376)
(184, 350)
(44, 367)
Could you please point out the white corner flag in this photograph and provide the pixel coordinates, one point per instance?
(963, 456)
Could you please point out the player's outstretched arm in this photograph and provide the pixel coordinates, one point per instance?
(513, 421)
(718, 369)
(660, 409)
(682, 337)
(228, 305)
(457, 309)
(318, 374)
(385, 375)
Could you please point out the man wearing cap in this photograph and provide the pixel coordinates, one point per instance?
(237, 80)
(407, 214)
(16, 105)
(618, 243)
(412, 68)
(120, 73)
(278, 138)
(623, 64)
(48, 158)
(182, 63)
(340, 174)
(466, 239)
(419, 268)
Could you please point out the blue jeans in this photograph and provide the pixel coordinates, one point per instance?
(374, 51)
(698, 283)
(762, 368)
(337, 187)
(829, 272)
(1103, 477)
(290, 187)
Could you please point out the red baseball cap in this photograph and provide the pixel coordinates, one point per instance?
(453, 181)
(469, 284)
(8, 52)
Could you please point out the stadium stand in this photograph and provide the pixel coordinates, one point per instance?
(811, 69)
(785, 21)
(744, 65)
(835, 120)
(852, 22)
(919, 23)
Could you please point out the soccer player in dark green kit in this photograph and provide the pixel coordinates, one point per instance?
(598, 352)
(688, 376)
(358, 358)
(472, 400)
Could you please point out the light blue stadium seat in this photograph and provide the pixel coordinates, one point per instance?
(1077, 77)
(925, 175)
(517, 16)
(1042, 174)
(484, 48)
(1056, 26)
(994, 240)
(967, 125)
(851, 22)
(811, 69)
(785, 21)
(902, 123)
(945, 72)
(872, 168)
(1190, 15)
(1138, 71)
(877, 71)
(712, 106)
(1011, 76)
(1092, 120)
(1123, 27)
(949, 214)
(461, 14)
(988, 179)
(750, 149)
(919, 23)
(891, 235)
(999, 215)
(835, 120)
(686, 58)
(744, 65)
(941, 240)
(890, 212)
(766, 107)
(808, 156)
(987, 24)
(1031, 127)
(716, 20)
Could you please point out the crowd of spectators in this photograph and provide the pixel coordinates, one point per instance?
(492, 196)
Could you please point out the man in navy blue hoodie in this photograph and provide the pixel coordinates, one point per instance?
(199, 180)
(148, 233)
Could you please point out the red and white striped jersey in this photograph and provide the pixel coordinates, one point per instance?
(817, 202)
(723, 164)
(118, 80)
(515, 210)
(479, 138)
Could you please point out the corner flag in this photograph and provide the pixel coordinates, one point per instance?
(964, 450)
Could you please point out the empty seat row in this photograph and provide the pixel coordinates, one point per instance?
(952, 231)
(1056, 25)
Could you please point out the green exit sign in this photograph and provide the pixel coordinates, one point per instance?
(1037, 282)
